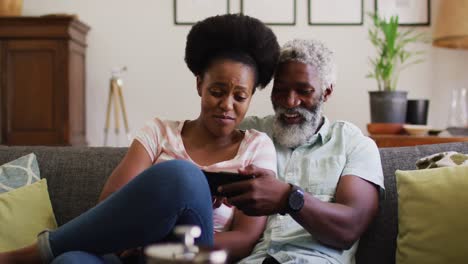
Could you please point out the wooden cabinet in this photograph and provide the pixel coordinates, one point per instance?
(42, 80)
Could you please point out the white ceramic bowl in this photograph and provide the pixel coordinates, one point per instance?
(416, 130)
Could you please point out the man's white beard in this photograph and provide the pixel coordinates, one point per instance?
(293, 136)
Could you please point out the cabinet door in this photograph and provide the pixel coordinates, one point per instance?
(33, 92)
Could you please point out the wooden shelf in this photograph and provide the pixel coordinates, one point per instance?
(385, 141)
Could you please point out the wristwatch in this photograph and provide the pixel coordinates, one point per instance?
(295, 200)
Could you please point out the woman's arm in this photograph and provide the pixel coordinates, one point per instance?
(135, 161)
(244, 234)
(246, 230)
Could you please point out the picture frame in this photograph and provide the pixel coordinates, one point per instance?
(338, 12)
(189, 12)
(410, 12)
(271, 12)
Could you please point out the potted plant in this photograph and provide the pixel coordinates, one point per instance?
(388, 105)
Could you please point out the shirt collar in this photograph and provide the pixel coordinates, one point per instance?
(322, 135)
(324, 130)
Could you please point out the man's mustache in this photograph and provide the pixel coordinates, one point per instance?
(307, 114)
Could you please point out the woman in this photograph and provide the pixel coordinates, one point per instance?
(152, 189)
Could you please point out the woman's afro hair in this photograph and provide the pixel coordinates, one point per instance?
(235, 36)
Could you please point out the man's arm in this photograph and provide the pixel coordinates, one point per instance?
(340, 224)
(337, 224)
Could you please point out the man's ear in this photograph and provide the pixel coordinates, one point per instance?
(327, 93)
(199, 85)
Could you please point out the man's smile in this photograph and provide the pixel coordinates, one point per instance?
(292, 118)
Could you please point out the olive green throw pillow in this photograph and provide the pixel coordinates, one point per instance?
(432, 216)
(24, 212)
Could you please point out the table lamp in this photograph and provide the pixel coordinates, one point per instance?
(451, 31)
(451, 27)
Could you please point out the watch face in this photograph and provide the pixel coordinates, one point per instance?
(296, 200)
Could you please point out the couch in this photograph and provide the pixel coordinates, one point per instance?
(76, 176)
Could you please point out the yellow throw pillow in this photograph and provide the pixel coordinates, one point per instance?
(432, 216)
(24, 212)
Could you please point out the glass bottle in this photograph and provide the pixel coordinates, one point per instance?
(458, 112)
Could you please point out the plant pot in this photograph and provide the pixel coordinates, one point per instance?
(11, 7)
(388, 107)
(416, 111)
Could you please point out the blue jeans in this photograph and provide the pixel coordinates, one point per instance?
(80, 257)
(143, 212)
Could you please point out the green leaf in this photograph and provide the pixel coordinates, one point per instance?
(393, 53)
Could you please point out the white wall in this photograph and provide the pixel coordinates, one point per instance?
(141, 35)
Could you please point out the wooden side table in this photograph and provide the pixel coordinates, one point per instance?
(385, 141)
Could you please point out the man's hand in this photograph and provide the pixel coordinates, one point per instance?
(263, 195)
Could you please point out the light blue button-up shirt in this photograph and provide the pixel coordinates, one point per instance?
(336, 149)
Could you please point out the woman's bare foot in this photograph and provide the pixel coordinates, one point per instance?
(26, 255)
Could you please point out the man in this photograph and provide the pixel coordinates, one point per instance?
(329, 174)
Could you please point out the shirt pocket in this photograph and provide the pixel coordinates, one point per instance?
(323, 176)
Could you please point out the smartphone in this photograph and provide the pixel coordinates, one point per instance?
(216, 179)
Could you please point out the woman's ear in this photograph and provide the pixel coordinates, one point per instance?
(199, 85)
(327, 93)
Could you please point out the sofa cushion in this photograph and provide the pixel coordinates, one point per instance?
(431, 222)
(378, 244)
(19, 172)
(24, 212)
(75, 175)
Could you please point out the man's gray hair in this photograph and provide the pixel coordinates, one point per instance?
(314, 53)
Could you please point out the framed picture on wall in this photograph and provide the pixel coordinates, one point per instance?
(188, 12)
(410, 12)
(271, 12)
(335, 12)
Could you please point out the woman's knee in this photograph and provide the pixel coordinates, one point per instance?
(179, 175)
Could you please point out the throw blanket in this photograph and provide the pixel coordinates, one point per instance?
(443, 159)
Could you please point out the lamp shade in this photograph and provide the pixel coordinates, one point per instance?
(451, 27)
(10, 7)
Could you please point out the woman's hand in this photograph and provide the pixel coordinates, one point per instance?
(130, 252)
(217, 201)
